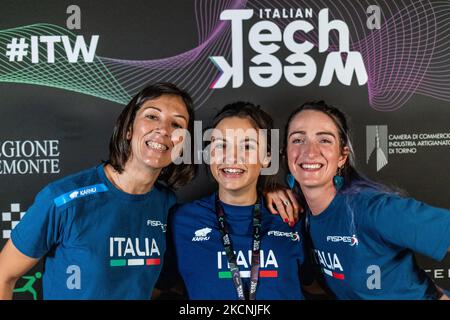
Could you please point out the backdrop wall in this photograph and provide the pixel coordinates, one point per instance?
(67, 69)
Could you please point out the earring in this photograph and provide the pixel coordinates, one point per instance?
(338, 179)
(290, 180)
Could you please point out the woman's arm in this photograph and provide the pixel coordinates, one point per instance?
(13, 264)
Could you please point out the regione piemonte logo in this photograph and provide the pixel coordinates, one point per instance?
(377, 145)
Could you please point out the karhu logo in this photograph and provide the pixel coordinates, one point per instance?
(88, 191)
(202, 234)
(80, 193)
(83, 192)
(74, 194)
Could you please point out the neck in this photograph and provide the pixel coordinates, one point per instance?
(239, 197)
(319, 199)
(131, 180)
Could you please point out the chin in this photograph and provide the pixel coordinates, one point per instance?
(309, 184)
(232, 186)
(158, 164)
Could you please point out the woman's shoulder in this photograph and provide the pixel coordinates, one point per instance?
(368, 196)
(373, 208)
(366, 204)
(166, 193)
(72, 182)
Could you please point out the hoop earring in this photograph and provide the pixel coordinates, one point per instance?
(338, 179)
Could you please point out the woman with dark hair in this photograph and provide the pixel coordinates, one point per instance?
(102, 230)
(362, 236)
(228, 245)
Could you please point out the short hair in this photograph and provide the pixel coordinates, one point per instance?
(259, 118)
(120, 148)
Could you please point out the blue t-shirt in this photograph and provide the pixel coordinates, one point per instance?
(203, 264)
(98, 242)
(364, 245)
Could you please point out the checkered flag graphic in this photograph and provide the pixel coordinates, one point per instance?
(11, 219)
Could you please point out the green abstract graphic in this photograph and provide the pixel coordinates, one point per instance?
(92, 78)
(408, 55)
(29, 54)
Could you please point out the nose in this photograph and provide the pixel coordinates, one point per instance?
(235, 155)
(231, 154)
(164, 128)
(311, 149)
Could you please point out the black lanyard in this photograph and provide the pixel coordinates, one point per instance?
(228, 245)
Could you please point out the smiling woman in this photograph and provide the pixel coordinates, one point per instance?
(363, 236)
(142, 137)
(315, 153)
(102, 231)
(235, 163)
(228, 245)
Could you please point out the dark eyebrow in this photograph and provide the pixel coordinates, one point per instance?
(218, 138)
(251, 140)
(246, 139)
(295, 132)
(176, 115)
(326, 133)
(318, 133)
(150, 107)
(182, 117)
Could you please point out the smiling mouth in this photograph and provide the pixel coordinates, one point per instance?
(232, 171)
(311, 166)
(157, 146)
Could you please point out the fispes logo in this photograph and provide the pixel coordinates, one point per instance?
(294, 236)
(157, 223)
(352, 241)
